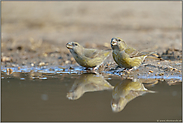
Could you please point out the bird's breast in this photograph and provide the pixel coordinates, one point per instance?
(121, 59)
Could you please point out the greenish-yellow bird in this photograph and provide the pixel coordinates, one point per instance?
(89, 58)
(122, 45)
(124, 55)
(126, 91)
(88, 82)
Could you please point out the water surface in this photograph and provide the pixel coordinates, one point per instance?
(87, 97)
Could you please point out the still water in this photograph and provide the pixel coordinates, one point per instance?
(87, 97)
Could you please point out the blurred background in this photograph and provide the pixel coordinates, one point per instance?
(47, 26)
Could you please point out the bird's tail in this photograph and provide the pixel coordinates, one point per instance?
(149, 91)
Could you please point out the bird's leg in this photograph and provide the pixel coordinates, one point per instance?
(130, 69)
(94, 68)
(124, 69)
(117, 67)
(86, 68)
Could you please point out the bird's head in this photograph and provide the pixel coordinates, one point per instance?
(74, 46)
(118, 44)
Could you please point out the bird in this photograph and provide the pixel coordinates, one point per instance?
(88, 82)
(126, 91)
(128, 49)
(125, 56)
(89, 58)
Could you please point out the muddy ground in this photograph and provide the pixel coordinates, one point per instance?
(34, 34)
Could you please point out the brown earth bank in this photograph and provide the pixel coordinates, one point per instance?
(35, 33)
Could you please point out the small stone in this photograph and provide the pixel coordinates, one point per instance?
(6, 59)
(9, 71)
(41, 64)
(13, 65)
(127, 72)
(161, 74)
(174, 69)
(72, 59)
(67, 62)
(31, 71)
(171, 69)
(151, 71)
(32, 64)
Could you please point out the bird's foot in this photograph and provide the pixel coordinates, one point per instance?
(130, 69)
(91, 70)
(127, 70)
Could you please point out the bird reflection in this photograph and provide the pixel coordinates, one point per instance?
(88, 82)
(126, 91)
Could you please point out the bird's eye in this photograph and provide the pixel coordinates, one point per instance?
(76, 44)
(118, 39)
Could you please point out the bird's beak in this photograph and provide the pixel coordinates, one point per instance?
(114, 106)
(69, 45)
(113, 42)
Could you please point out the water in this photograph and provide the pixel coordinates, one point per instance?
(87, 97)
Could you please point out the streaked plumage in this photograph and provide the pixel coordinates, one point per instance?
(89, 58)
(125, 56)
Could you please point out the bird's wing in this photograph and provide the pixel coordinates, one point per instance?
(129, 50)
(142, 54)
(93, 53)
(135, 61)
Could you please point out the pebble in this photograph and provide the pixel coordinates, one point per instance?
(6, 59)
(72, 59)
(127, 72)
(32, 64)
(174, 69)
(9, 71)
(41, 64)
(151, 71)
(67, 62)
(161, 74)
